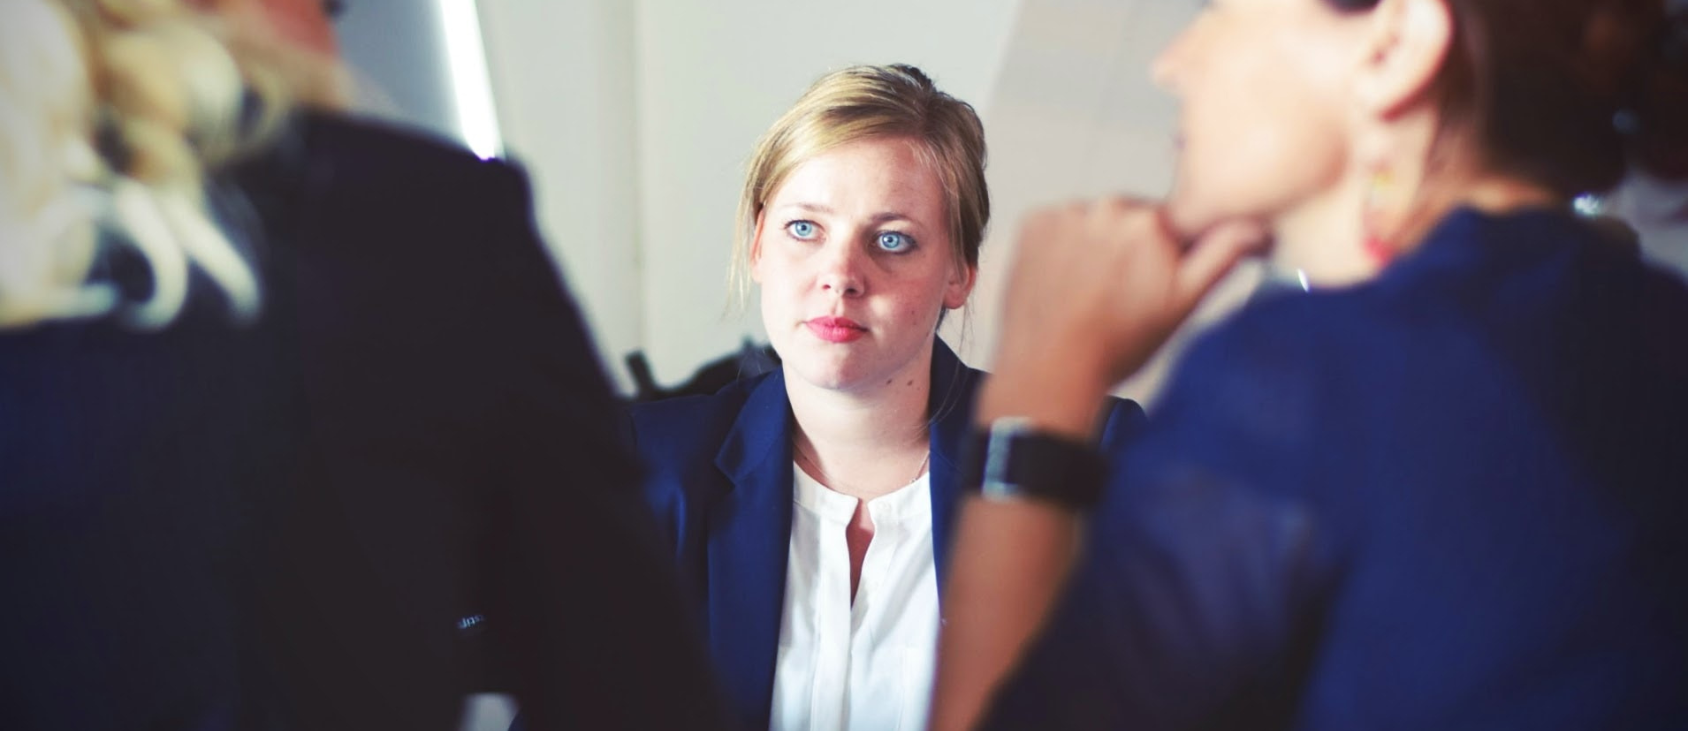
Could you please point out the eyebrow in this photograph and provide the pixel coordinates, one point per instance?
(878, 218)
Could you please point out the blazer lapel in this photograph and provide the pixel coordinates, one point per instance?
(749, 540)
(951, 409)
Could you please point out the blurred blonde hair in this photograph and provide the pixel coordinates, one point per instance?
(112, 113)
(872, 102)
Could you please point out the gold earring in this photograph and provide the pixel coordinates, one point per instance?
(1380, 192)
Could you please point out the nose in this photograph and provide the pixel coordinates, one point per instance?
(843, 269)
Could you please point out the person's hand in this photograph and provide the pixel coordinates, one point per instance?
(1096, 288)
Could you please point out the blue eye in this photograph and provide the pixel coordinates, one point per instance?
(894, 241)
(802, 230)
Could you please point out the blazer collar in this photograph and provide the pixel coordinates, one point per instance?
(750, 525)
(749, 538)
(951, 412)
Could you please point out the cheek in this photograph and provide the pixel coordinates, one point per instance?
(774, 270)
(777, 297)
(772, 294)
(1256, 145)
(778, 319)
(1288, 154)
(919, 305)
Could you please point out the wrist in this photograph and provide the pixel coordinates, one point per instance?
(1013, 460)
(1064, 401)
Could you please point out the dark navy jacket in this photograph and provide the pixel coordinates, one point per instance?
(719, 478)
(280, 525)
(1455, 497)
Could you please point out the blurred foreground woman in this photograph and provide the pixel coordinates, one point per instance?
(284, 396)
(1446, 490)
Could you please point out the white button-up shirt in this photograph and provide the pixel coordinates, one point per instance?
(867, 665)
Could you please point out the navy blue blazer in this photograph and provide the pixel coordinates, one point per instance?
(1455, 497)
(719, 479)
(280, 525)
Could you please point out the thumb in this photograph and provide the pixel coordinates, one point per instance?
(1213, 255)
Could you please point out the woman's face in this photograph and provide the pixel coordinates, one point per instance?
(854, 260)
(1265, 88)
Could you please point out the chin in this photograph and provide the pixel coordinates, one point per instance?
(1192, 213)
(822, 371)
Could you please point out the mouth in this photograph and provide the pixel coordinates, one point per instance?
(835, 329)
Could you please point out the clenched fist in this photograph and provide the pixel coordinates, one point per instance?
(1096, 288)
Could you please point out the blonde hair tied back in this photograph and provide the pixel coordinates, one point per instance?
(163, 89)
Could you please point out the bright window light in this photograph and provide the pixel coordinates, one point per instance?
(477, 118)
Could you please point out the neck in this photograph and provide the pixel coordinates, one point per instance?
(1491, 194)
(1322, 236)
(865, 442)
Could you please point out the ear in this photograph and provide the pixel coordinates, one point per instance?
(1408, 47)
(756, 251)
(962, 278)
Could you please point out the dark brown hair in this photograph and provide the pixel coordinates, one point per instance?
(1567, 93)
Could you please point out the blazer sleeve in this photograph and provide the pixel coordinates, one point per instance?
(1183, 608)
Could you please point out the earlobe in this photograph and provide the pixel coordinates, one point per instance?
(960, 286)
(1410, 43)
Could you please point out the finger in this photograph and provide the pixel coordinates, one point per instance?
(1213, 255)
(1133, 228)
(1113, 211)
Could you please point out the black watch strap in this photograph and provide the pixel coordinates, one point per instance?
(1012, 460)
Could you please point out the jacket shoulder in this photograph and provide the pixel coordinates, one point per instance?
(676, 437)
(387, 182)
(1122, 421)
(677, 441)
(393, 147)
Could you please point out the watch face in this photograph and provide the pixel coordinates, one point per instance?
(1020, 463)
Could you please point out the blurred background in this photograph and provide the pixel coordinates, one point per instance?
(634, 119)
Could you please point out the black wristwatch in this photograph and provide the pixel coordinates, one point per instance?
(1012, 460)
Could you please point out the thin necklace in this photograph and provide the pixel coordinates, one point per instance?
(834, 485)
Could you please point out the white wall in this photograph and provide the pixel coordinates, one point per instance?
(563, 77)
(398, 59)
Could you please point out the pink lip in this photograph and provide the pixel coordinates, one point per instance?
(836, 329)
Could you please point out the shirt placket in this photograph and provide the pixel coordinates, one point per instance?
(833, 618)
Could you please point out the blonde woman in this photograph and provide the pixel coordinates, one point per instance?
(810, 508)
(269, 380)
